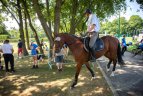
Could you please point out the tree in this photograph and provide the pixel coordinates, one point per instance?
(46, 28)
(31, 26)
(102, 8)
(21, 27)
(2, 26)
(57, 15)
(26, 31)
(15, 10)
(135, 23)
(65, 15)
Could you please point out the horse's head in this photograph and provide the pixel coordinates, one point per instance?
(58, 43)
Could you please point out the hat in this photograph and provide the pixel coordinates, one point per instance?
(87, 11)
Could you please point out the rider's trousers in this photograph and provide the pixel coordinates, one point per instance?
(93, 38)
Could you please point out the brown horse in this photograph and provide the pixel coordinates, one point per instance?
(111, 50)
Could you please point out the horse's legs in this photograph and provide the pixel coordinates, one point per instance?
(114, 67)
(108, 65)
(91, 71)
(78, 68)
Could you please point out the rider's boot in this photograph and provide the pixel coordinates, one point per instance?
(93, 56)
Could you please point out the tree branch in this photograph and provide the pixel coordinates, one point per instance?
(10, 12)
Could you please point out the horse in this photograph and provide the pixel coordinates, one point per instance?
(111, 50)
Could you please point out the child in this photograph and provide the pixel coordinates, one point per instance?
(39, 56)
(59, 59)
(34, 48)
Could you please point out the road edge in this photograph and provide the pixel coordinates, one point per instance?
(108, 80)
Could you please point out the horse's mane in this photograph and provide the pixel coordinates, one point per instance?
(72, 35)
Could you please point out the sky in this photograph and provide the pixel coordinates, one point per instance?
(132, 9)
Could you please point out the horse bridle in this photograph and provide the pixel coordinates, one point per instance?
(68, 44)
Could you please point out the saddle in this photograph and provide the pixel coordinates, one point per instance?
(98, 45)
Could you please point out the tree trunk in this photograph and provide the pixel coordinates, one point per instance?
(21, 28)
(47, 30)
(32, 27)
(48, 13)
(57, 16)
(73, 14)
(26, 31)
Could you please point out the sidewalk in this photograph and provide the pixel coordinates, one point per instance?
(128, 81)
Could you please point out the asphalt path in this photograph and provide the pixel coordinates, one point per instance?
(128, 81)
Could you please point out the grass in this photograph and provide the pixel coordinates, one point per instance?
(46, 82)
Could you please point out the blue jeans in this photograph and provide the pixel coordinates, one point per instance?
(59, 59)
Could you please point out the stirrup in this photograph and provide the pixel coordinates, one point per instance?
(92, 59)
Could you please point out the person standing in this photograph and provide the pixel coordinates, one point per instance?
(20, 51)
(124, 45)
(141, 44)
(7, 51)
(93, 27)
(59, 59)
(34, 48)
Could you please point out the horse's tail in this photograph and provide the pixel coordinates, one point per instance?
(120, 60)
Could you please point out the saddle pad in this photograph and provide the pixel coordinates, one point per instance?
(99, 44)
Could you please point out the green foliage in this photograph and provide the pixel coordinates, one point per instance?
(2, 26)
(3, 29)
(3, 37)
(135, 21)
(14, 33)
(126, 27)
(103, 8)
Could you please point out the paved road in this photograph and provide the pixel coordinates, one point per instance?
(128, 81)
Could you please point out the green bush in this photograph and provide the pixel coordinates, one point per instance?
(3, 37)
(13, 40)
(130, 48)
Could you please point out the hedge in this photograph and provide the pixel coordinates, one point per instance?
(3, 37)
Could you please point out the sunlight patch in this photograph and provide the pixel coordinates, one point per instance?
(99, 90)
(81, 83)
(60, 82)
(30, 90)
(15, 93)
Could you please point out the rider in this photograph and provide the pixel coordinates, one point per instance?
(93, 28)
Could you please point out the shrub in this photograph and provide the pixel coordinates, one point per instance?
(3, 37)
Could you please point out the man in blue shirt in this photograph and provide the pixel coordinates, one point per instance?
(124, 45)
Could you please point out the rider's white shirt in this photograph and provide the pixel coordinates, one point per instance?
(93, 20)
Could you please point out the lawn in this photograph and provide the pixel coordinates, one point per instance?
(46, 82)
(49, 82)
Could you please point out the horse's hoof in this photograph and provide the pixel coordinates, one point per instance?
(122, 66)
(112, 74)
(93, 78)
(71, 88)
(108, 70)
